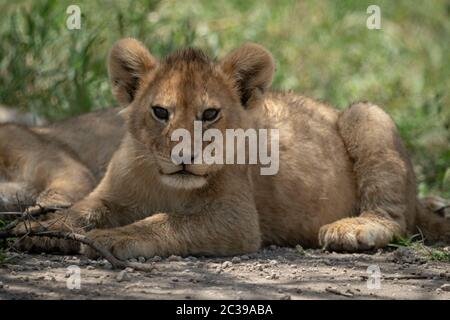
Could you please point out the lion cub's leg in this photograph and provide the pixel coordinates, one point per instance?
(385, 182)
(212, 233)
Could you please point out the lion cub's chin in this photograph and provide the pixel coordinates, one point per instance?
(186, 182)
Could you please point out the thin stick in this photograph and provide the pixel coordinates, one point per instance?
(25, 215)
(116, 263)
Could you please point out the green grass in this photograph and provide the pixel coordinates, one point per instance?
(2, 243)
(416, 242)
(322, 49)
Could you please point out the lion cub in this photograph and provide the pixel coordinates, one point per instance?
(345, 181)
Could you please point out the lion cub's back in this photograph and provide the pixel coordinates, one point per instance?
(315, 183)
(93, 136)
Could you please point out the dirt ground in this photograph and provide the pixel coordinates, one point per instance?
(272, 273)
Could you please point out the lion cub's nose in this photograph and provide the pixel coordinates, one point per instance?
(184, 159)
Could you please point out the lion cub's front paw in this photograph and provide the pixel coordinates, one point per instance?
(355, 234)
(118, 244)
(52, 198)
(53, 222)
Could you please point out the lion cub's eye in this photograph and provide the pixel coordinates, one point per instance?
(210, 114)
(161, 113)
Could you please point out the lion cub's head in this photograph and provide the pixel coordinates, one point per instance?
(186, 86)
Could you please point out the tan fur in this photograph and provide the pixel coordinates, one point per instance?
(56, 165)
(345, 180)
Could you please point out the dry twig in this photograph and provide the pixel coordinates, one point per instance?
(30, 215)
(116, 263)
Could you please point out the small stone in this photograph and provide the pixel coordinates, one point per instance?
(245, 257)
(300, 250)
(141, 259)
(273, 276)
(129, 270)
(122, 276)
(227, 264)
(49, 277)
(90, 267)
(133, 260)
(174, 258)
(445, 287)
(236, 260)
(174, 279)
(273, 262)
(191, 258)
(285, 297)
(73, 260)
(156, 259)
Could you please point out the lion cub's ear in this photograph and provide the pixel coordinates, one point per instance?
(251, 67)
(129, 61)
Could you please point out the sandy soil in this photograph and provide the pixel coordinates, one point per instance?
(272, 273)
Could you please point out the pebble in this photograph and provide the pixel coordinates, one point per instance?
(90, 267)
(191, 258)
(273, 262)
(141, 259)
(272, 276)
(236, 260)
(122, 276)
(285, 297)
(133, 260)
(445, 287)
(156, 259)
(227, 264)
(74, 261)
(245, 257)
(50, 277)
(174, 258)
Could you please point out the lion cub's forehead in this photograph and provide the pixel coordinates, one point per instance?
(188, 78)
